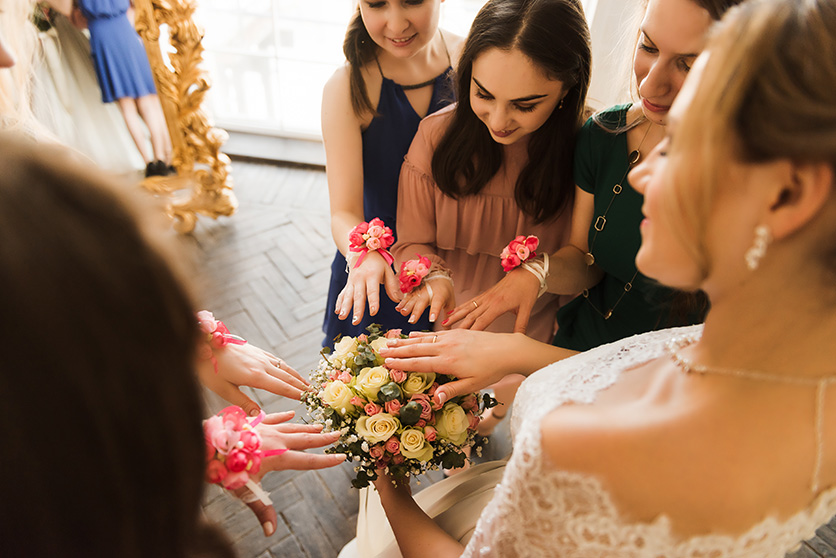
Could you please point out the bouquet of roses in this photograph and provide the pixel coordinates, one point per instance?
(390, 420)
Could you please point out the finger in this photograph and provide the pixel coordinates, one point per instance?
(393, 289)
(459, 313)
(291, 427)
(455, 388)
(301, 461)
(266, 515)
(413, 364)
(345, 300)
(308, 440)
(293, 372)
(235, 396)
(485, 319)
(278, 418)
(280, 383)
(523, 315)
(415, 338)
(359, 303)
(373, 295)
(418, 307)
(436, 308)
(407, 304)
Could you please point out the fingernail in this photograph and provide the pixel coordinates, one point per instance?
(411, 319)
(269, 528)
(432, 317)
(372, 309)
(445, 321)
(254, 412)
(450, 312)
(442, 397)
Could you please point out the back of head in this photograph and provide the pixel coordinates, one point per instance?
(769, 85)
(99, 408)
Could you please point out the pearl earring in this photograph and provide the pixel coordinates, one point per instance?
(754, 255)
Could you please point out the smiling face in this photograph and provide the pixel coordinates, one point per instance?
(511, 95)
(672, 35)
(401, 28)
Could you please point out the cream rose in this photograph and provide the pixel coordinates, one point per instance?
(417, 382)
(377, 428)
(379, 343)
(370, 380)
(344, 349)
(414, 445)
(338, 396)
(452, 423)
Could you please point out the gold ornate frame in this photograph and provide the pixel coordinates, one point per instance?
(203, 183)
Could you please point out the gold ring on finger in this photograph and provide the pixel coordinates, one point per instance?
(474, 304)
(435, 338)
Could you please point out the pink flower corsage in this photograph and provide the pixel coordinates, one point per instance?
(233, 449)
(217, 336)
(519, 250)
(413, 272)
(370, 237)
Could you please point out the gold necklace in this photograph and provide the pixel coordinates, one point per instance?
(601, 221)
(676, 344)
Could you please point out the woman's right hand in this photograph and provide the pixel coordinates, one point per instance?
(437, 294)
(363, 285)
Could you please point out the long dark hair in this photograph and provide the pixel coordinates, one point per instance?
(359, 50)
(103, 452)
(554, 35)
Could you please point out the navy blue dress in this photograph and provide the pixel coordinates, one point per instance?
(385, 143)
(119, 56)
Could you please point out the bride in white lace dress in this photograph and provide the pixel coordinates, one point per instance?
(703, 441)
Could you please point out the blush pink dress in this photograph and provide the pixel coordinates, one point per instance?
(467, 235)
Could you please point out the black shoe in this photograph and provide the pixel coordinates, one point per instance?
(157, 168)
(151, 169)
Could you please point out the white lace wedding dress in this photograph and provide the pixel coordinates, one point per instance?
(536, 511)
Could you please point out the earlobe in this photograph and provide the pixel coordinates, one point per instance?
(807, 191)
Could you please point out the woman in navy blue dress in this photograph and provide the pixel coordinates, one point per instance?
(124, 76)
(398, 70)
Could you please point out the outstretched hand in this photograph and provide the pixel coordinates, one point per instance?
(516, 292)
(363, 285)
(474, 357)
(277, 433)
(437, 294)
(247, 365)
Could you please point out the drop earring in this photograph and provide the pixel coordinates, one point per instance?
(560, 106)
(754, 255)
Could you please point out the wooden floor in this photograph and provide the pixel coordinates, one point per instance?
(266, 272)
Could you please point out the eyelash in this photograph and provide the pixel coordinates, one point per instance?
(375, 5)
(521, 108)
(683, 65)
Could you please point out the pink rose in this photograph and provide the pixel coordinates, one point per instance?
(206, 321)
(393, 334)
(474, 421)
(432, 389)
(397, 375)
(250, 440)
(469, 402)
(397, 459)
(255, 463)
(532, 242)
(426, 407)
(381, 463)
(344, 377)
(362, 338)
(333, 376)
(235, 415)
(523, 252)
(376, 231)
(393, 407)
(237, 460)
(362, 228)
(356, 239)
(376, 452)
(393, 445)
(215, 472)
(358, 401)
(219, 340)
(430, 434)
(372, 409)
(223, 439)
(436, 402)
(510, 262)
(234, 481)
(373, 244)
(421, 423)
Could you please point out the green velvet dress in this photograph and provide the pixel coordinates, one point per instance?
(600, 164)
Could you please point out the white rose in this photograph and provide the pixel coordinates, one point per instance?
(452, 423)
(344, 349)
(377, 428)
(413, 445)
(417, 382)
(370, 380)
(338, 396)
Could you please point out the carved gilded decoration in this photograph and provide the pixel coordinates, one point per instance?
(203, 184)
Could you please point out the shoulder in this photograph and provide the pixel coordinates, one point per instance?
(336, 94)
(430, 131)
(454, 43)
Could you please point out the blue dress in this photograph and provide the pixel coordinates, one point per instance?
(385, 143)
(122, 66)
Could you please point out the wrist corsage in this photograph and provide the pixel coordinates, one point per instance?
(518, 251)
(413, 272)
(521, 252)
(370, 237)
(233, 450)
(217, 336)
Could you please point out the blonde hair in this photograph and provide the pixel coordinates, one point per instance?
(768, 91)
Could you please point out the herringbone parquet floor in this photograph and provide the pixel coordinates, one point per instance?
(266, 273)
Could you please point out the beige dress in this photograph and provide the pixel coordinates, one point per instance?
(467, 235)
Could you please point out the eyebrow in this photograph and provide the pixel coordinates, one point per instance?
(685, 55)
(518, 100)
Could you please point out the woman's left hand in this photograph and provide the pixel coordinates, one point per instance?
(248, 365)
(436, 293)
(516, 292)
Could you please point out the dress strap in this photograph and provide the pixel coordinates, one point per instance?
(379, 69)
(821, 388)
(446, 50)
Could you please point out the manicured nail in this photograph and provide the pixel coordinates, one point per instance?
(269, 528)
(442, 397)
(450, 312)
(445, 321)
(411, 319)
(254, 412)
(432, 317)
(372, 309)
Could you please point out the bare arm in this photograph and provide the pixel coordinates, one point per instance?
(342, 137)
(569, 273)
